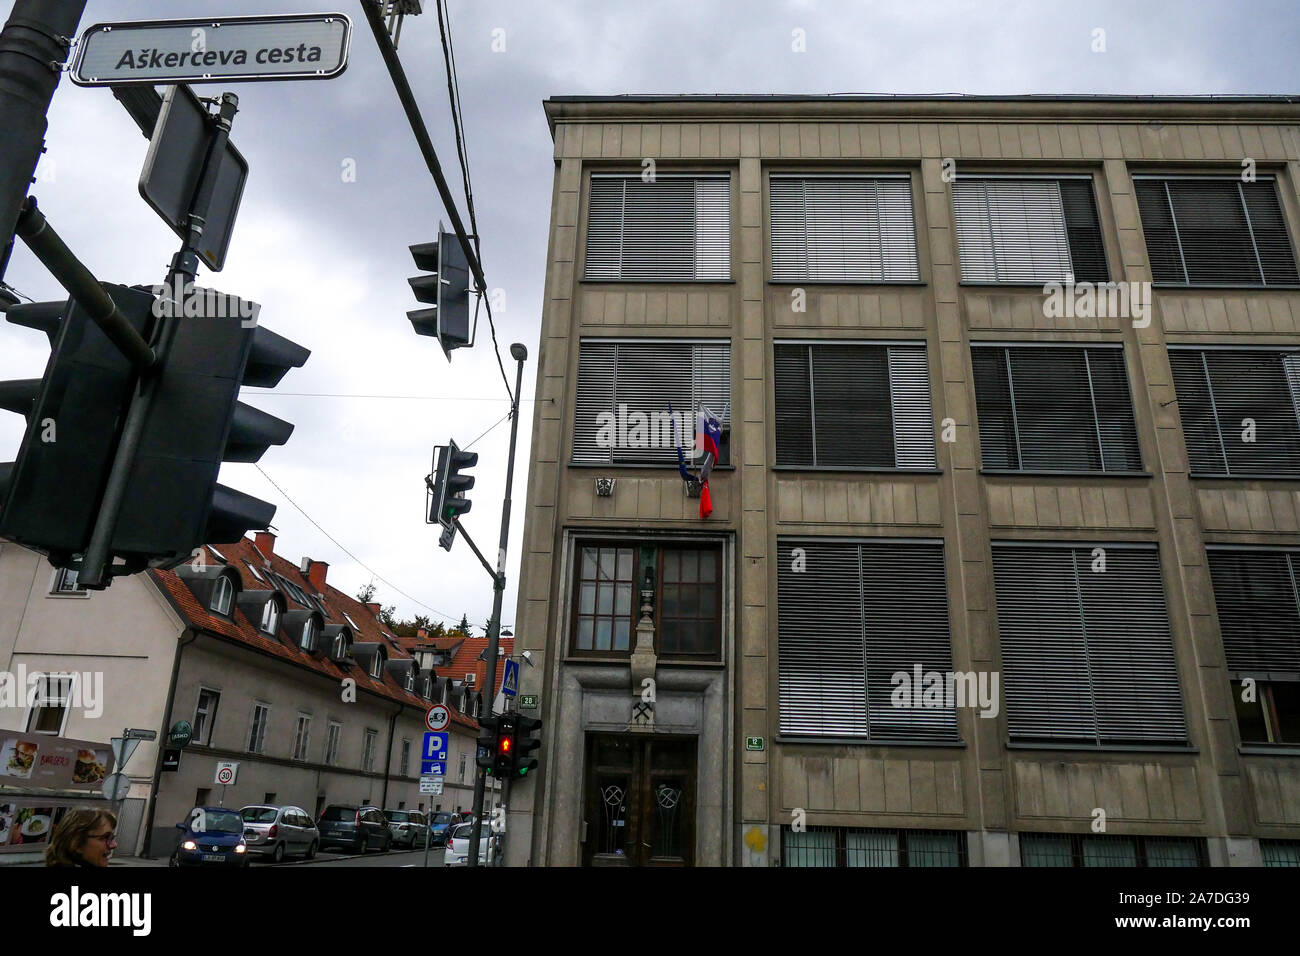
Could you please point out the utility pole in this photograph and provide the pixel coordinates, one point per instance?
(519, 353)
(33, 46)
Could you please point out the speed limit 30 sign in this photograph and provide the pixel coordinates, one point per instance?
(226, 772)
(437, 718)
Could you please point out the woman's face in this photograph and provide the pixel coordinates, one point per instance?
(99, 845)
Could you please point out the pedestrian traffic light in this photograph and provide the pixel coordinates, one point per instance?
(447, 487)
(447, 290)
(528, 738)
(487, 743)
(50, 496)
(173, 503)
(504, 765)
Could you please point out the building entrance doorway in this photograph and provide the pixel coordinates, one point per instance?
(639, 803)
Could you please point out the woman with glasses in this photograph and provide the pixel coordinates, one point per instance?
(82, 838)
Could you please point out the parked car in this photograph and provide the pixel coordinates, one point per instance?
(277, 831)
(407, 827)
(458, 846)
(353, 827)
(440, 827)
(211, 836)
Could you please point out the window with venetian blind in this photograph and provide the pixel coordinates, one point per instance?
(637, 382)
(1215, 231)
(842, 228)
(676, 228)
(1255, 593)
(1240, 409)
(850, 615)
(1054, 408)
(1087, 655)
(1020, 229)
(853, 405)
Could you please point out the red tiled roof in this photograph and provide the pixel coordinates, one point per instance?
(242, 554)
(465, 657)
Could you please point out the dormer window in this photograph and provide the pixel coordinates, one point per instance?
(271, 618)
(223, 596)
(308, 635)
(377, 665)
(443, 698)
(340, 647)
(410, 680)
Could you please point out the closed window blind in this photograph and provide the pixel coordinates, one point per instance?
(855, 406)
(675, 228)
(1259, 611)
(1215, 232)
(1028, 230)
(855, 615)
(1086, 655)
(1054, 409)
(1240, 410)
(843, 229)
(625, 389)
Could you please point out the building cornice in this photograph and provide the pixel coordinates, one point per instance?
(642, 108)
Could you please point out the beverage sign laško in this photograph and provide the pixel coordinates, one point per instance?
(212, 50)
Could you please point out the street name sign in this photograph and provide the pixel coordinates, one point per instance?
(311, 46)
(141, 734)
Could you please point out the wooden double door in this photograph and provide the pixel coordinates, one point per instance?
(639, 800)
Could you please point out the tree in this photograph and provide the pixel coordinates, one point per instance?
(367, 593)
(464, 626)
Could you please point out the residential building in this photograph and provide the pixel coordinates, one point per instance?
(1001, 563)
(304, 688)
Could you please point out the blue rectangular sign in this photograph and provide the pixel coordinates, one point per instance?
(510, 679)
(435, 746)
(433, 768)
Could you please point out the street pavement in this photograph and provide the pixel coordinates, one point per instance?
(398, 858)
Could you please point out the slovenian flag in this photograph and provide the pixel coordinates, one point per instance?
(708, 436)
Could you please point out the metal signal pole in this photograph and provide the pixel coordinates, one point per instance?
(33, 46)
(519, 353)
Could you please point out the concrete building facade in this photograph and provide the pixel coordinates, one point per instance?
(1019, 469)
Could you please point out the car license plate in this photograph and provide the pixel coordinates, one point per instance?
(213, 858)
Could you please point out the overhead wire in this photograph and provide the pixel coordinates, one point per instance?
(284, 494)
(462, 155)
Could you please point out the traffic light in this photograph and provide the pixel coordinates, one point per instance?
(447, 487)
(173, 503)
(49, 496)
(487, 743)
(528, 738)
(504, 765)
(447, 290)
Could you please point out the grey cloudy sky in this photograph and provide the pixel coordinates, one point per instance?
(327, 259)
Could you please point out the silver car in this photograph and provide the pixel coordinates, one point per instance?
(408, 827)
(279, 831)
(459, 841)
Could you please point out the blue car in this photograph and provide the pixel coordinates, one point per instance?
(440, 827)
(211, 836)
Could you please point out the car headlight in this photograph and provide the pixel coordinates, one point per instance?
(242, 848)
(189, 845)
